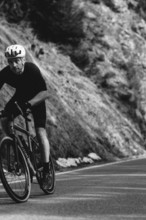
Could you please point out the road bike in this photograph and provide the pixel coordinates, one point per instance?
(20, 161)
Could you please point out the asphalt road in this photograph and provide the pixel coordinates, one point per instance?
(107, 192)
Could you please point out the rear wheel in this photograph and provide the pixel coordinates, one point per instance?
(51, 189)
(39, 168)
(14, 174)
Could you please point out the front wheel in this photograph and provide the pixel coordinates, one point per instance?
(14, 171)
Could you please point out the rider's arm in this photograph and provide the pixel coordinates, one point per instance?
(39, 87)
(5, 76)
(41, 96)
(2, 78)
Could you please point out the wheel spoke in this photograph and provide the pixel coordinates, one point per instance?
(14, 175)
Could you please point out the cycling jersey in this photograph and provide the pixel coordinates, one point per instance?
(27, 85)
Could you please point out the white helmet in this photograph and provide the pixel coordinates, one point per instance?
(15, 51)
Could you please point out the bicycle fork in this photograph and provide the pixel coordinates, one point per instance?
(16, 167)
(31, 167)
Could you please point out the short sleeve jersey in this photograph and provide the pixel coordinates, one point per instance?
(27, 85)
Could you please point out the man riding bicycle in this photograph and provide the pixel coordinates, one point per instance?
(31, 92)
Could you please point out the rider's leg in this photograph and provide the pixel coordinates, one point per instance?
(44, 143)
(39, 115)
(45, 151)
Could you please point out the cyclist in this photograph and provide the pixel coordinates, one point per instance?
(30, 92)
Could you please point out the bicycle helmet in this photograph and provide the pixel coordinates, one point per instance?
(15, 51)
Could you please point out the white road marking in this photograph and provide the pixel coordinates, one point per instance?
(104, 165)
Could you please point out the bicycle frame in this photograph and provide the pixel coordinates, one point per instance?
(13, 133)
(22, 159)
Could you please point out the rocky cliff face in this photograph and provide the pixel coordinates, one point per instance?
(98, 103)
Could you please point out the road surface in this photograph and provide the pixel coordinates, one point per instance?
(115, 191)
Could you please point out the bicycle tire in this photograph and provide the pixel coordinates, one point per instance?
(17, 184)
(39, 168)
